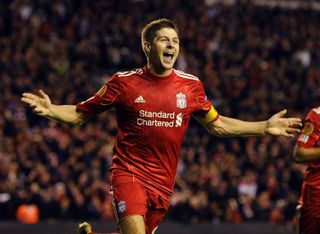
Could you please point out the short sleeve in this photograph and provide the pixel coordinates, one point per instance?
(105, 98)
(310, 133)
(206, 112)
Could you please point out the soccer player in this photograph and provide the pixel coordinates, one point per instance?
(153, 105)
(307, 151)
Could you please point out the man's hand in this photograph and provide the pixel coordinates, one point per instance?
(40, 104)
(279, 126)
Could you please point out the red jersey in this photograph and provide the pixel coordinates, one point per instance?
(310, 135)
(309, 138)
(153, 114)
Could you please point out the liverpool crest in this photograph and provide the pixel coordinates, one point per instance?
(181, 100)
(122, 206)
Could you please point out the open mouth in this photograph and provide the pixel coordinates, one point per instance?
(168, 56)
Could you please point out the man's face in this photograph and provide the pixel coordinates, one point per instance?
(164, 50)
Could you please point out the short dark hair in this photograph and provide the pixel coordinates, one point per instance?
(149, 31)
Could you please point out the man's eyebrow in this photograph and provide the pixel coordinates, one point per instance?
(164, 36)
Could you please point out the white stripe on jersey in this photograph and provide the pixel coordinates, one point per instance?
(185, 75)
(138, 71)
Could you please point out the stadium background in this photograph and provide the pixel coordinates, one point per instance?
(254, 58)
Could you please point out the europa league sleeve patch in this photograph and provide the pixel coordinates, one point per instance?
(308, 129)
(306, 132)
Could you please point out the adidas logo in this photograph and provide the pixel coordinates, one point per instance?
(139, 100)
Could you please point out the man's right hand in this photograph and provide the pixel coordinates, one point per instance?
(40, 104)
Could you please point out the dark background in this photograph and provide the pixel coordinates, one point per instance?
(254, 61)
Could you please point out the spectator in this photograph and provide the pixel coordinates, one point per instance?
(252, 58)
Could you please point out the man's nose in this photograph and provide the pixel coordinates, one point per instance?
(170, 44)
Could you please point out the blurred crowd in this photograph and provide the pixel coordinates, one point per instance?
(253, 61)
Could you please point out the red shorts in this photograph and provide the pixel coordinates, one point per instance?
(130, 197)
(309, 220)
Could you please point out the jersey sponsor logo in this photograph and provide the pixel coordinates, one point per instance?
(179, 120)
(181, 100)
(160, 119)
(139, 100)
(122, 206)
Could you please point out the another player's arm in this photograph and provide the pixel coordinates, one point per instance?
(225, 126)
(41, 105)
(306, 155)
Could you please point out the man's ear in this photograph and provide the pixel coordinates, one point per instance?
(146, 47)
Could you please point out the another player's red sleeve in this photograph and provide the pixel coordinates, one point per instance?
(106, 97)
(310, 133)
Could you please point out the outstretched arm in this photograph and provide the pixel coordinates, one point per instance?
(306, 155)
(41, 105)
(276, 125)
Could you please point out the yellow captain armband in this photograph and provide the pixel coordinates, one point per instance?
(211, 116)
